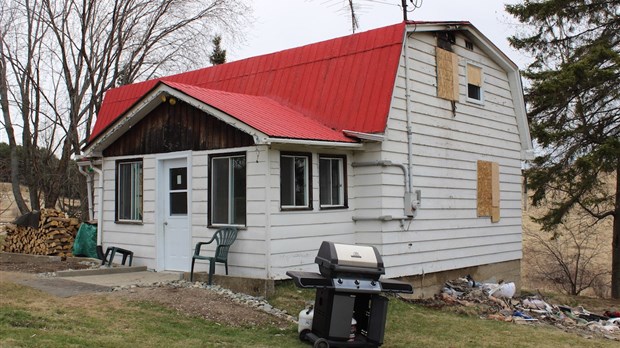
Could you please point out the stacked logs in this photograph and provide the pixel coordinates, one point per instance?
(54, 235)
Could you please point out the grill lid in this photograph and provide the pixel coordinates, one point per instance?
(336, 260)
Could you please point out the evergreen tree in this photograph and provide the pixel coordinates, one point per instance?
(218, 56)
(574, 109)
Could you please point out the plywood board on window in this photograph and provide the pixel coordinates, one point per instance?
(484, 188)
(488, 190)
(447, 74)
(474, 75)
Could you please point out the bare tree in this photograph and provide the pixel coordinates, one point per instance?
(572, 258)
(59, 57)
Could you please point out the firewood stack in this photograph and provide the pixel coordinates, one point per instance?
(54, 235)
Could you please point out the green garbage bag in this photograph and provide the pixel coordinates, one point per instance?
(85, 243)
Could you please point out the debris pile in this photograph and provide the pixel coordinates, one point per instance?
(48, 232)
(495, 301)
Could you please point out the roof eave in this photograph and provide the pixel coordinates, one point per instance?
(313, 142)
(372, 137)
(149, 102)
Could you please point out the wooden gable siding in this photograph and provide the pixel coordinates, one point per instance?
(178, 127)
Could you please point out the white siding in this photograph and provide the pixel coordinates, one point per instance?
(447, 233)
(139, 238)
(269, 246)
(297, 235)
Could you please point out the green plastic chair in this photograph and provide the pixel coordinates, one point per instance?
(224, 237)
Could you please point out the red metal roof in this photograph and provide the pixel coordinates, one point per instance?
(340, 84)
(262, 113)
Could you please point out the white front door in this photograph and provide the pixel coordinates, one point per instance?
(176, 195)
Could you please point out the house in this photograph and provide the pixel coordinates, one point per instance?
(408, 137)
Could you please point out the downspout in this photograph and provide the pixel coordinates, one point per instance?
(100, 202)
(268, 214)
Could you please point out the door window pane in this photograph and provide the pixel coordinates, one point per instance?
(178, 191)
(178, 203)
(178, 178)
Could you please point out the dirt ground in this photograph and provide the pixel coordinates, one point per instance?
(198, 302)
(41, 266)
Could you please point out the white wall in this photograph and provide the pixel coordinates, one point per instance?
(270, 245)
(447, 233)
(297, 235)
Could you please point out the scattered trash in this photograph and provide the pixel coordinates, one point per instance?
(505, 290)
(496, 301)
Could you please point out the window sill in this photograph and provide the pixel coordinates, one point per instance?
(475, 101)
(335, 207)
(296, 208)
(127, 222)
(218, 226)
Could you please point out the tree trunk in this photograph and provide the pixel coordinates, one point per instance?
(17, 193)
(84, 209)
(52, 191)
(615, 246)
(6, 112)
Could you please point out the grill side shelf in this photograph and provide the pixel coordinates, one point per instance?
(309, 279)
(395, 286)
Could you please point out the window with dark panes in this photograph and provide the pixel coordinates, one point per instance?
(129, 191)
(474, 83)
(228, 190)
(332, 181)
(295, 177)
(178, 191)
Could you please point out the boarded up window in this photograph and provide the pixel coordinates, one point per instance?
(488, 190)
(447, 75)
(474, 82)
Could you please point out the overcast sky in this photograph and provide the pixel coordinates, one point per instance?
(282, 24)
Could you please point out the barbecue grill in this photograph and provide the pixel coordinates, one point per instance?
(348, 290)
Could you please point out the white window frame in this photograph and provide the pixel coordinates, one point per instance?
(307, 204)
(230, 195)
(341, 178)
(469, 99)
(135, 185)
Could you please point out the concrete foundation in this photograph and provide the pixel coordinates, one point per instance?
(426, 286)
(250, 286)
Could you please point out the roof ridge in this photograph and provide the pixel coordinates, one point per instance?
(305, 62)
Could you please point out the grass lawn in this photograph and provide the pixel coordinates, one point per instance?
(30, 318)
